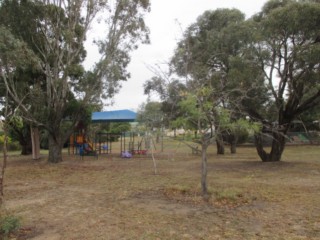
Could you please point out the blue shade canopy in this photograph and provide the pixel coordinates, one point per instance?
(114, 116)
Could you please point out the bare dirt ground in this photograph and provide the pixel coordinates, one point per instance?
(114, 198)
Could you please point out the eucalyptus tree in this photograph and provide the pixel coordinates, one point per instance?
(55, 32)
(151, 115)
(206, 57)
(287, 50)
(170, 92)
(199, 114)
(206, 60)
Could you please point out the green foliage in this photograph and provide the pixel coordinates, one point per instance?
(170, 93)
(14, 51)
(151, 115)
(9, 224)
(16, 121)
(14, 146)
(11, 144)
(19, 129)
(243, 124)
(113, 127)
(199, 112)
(221, 73)
(193, 114)
(190, 106)
(120, 127)
(208, 43)
(2, 138)
(266, 68)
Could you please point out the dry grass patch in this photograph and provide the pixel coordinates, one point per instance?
(114, 198)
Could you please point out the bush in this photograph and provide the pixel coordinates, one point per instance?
(14, 146)
(2, 139)
(8, 225)
(243, 136)
(11, 145)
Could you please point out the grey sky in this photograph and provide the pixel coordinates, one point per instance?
(167, 20)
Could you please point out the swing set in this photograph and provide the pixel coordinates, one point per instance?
(134, 143)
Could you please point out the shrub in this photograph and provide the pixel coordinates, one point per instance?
(14, 146)
(11, 145)
(9, 224)
(2, 139)
(243, 136)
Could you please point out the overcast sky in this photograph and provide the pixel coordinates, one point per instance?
(166, 21)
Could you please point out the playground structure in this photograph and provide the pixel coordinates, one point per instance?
(127, 143)
(79, 144)
(103, 142)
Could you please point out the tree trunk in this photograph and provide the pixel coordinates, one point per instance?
(204, 170)
(233, 147)
(158, 137)
(220, 146)
(233, 140)
(2, 172)
(35, 139)
(55, 149)
(24, 140)
(2, 169)
(3, 165)
(26, 148)
(277, 147)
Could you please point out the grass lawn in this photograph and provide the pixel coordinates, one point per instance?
(115, 198)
